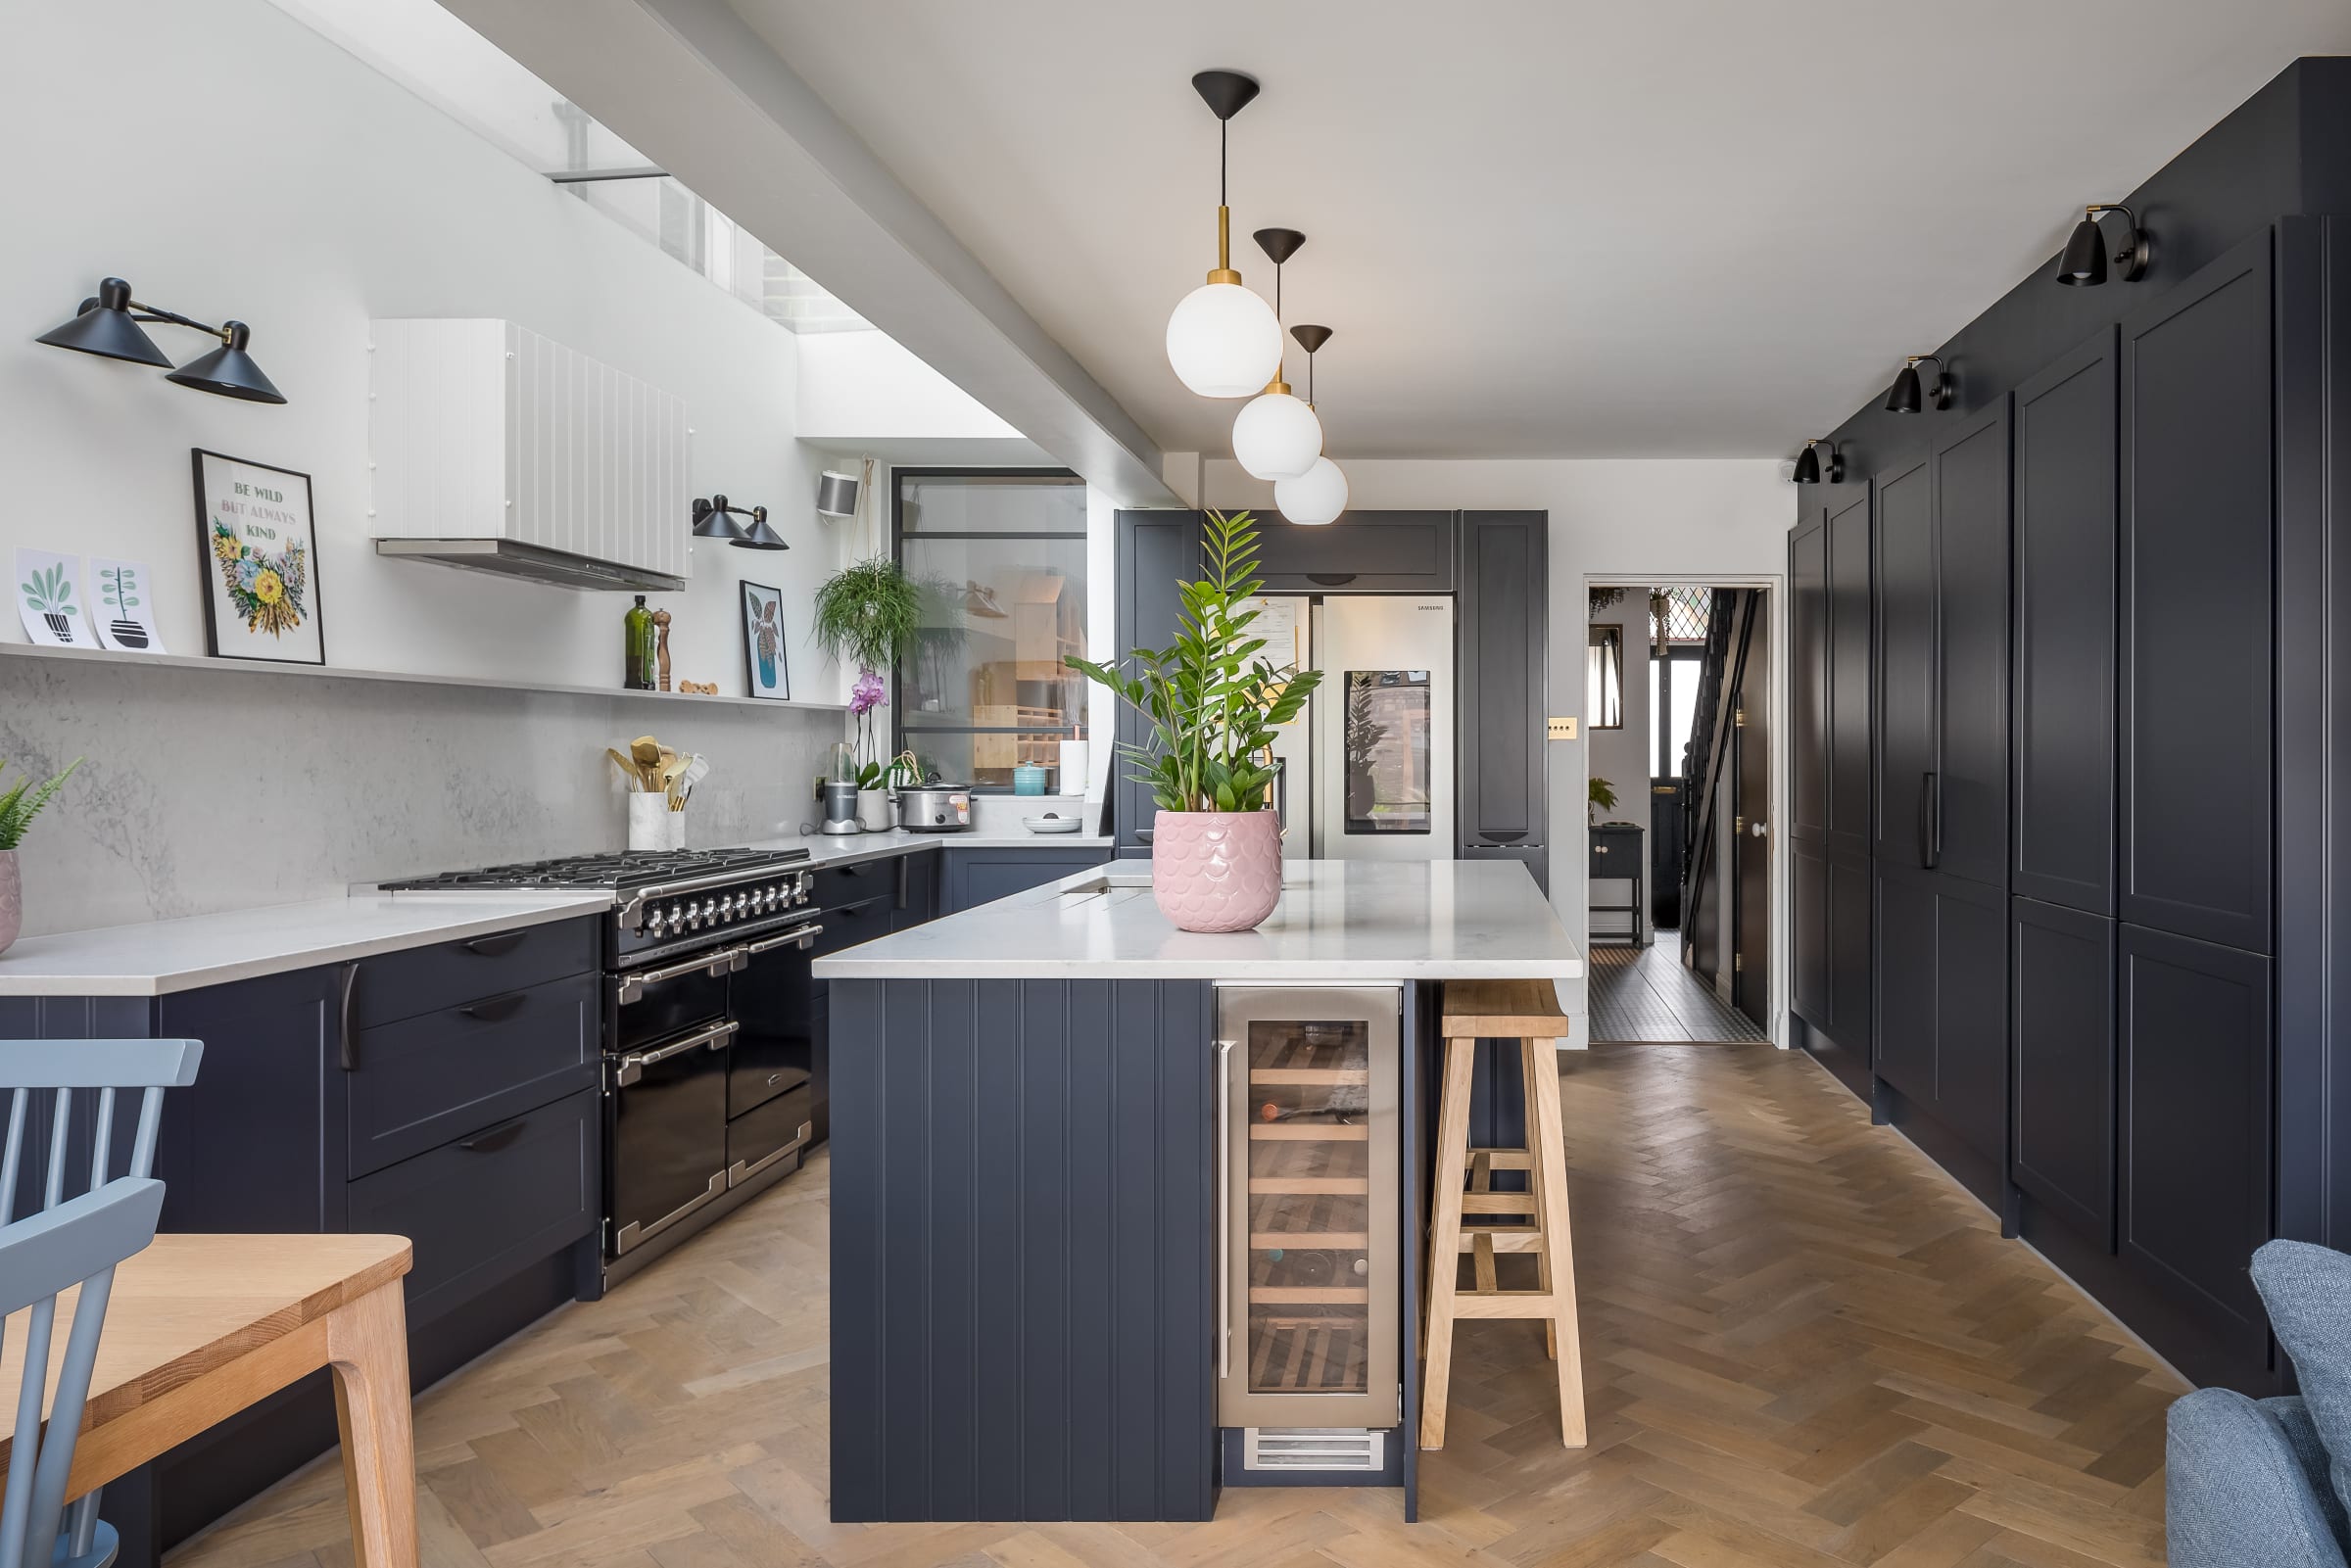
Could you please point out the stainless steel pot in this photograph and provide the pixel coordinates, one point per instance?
(935, 808)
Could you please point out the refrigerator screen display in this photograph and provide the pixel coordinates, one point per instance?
(1387, 752)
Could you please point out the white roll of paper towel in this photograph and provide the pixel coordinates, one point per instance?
(1073, 779)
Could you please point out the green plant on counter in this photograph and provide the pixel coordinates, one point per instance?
(18, 806)
(1602, 794)
(1213, 704)
(870, 612)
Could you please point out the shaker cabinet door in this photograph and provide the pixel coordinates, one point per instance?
(2196, 1118)
(2198, 531)
(1906, 679)
(1968, 811)
(2066, 466)
(1808, 683)
(2062, 1150)
(1943, 1003)
(1849, 564)
(1502, 609)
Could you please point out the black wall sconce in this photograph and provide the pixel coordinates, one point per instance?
(110, 325)
(1909, 395)
(1807, 463)
(715, 519)
(2083, 264)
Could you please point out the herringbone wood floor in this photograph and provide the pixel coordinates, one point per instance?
(1802, 1345)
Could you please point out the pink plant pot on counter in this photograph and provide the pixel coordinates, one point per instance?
(12, 899)
(1216, 871)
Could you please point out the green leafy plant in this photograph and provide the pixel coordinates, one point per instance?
(18, 806)
(871, 612)
(1602, 794)
(1213, 702)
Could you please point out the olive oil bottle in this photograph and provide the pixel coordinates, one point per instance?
(637, 653)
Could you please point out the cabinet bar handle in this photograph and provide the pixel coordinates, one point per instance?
(492, 1009)
(497, 1138)
(1225, 1208)
(1930, 825)
(346, 1051)
(1332, 579)
(495, 944)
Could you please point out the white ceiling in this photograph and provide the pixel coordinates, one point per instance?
(1676, 227)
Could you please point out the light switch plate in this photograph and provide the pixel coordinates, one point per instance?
(1563, 728)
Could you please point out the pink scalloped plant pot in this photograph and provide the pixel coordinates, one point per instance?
(1216, 871)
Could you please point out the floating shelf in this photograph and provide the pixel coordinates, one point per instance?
(186, 661)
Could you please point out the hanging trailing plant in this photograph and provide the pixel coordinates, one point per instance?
(871, 612)
(1604, 598)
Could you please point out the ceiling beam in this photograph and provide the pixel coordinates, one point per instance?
(692, 87)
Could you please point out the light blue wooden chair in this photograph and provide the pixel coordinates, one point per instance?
(89, 1220)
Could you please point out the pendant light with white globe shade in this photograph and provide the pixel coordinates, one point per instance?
(1277, 436)
(1319, 494)
(1224, 340)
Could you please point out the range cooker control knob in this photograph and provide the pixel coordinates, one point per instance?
(694, 915)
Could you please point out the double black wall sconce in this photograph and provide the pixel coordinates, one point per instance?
(1809, 465)
(1909, 394)
(2083, 264)
(111, 324)
(715, 519)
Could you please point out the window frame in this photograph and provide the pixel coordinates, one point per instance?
(898, 552)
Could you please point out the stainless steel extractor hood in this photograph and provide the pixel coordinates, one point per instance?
(532, 563)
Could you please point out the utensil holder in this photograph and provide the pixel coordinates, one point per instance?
(652, 824)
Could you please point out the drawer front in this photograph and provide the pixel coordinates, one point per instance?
(1392, 552)
(852, 923)
(838, 886)
(758, 1137)
(426, 980)
(481, 1208)
(425, 1080)
(984, 874)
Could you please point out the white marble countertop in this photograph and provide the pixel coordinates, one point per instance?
(156, 958)
(1337, 919)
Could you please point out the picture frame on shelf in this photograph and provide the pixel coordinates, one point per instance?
(258, 550)
(766, 673)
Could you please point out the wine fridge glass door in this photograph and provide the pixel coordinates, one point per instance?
(1311, 1301)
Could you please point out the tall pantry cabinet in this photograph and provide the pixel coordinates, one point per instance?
(2109, 687)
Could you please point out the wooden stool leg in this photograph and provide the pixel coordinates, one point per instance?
(368, 1346)
(1544, 1131)
(1445, 1236)
(1544, 1201)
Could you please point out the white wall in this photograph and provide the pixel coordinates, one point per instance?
(327, 197)
(855, 386)
(1611, 521)
(324, 197)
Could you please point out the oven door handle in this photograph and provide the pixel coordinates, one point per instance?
(725, 961)
(632, 1067)
(801, 935)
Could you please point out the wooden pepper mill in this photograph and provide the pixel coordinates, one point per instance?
(661, 644)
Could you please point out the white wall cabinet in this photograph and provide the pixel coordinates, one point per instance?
(497, 449)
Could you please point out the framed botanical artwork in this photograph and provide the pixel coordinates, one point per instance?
(259, 554)
(764, 672)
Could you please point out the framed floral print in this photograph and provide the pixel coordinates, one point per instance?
(764, 671)
(260, 561)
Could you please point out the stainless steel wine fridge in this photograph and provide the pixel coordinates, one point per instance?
(1309, 1188)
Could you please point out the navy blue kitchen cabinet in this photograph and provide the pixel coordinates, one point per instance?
(382, 1095)
(1501, 756)
(2063, 1154)
(985, 873)
(1363, 552)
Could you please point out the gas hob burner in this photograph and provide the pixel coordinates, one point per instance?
(620, 870)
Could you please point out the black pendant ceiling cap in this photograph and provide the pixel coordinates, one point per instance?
(1808, 465)
(1311, 338)
(1226, 92)
(713, 520)
(103, 326)
(759, 535)
(228, 370)
(1279, 244)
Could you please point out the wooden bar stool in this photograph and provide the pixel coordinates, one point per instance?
(1531, 1221)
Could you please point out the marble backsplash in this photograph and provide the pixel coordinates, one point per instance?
(206, 789)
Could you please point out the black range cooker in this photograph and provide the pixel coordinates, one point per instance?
(713, 1085)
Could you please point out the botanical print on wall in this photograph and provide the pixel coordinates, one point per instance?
(125, 616)
(49, 600)
(765, 673)
(260, 561)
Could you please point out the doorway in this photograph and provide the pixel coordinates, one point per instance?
(1680, 765)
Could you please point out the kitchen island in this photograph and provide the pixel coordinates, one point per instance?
(1049, 1112)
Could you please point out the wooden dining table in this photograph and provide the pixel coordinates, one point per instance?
(200, 1327)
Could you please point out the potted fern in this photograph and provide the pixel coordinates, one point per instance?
(18, 807)
(1213, 704)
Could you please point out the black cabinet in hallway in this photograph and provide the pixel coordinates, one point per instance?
(2063, 1154)
(1943, 1011)
(2198, 448)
